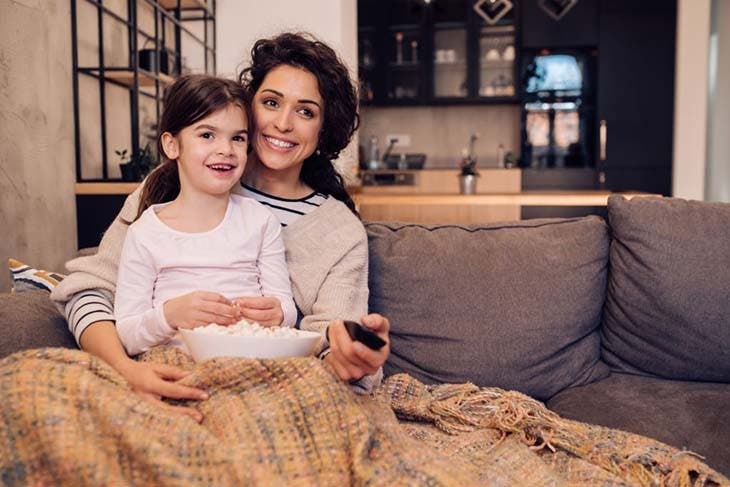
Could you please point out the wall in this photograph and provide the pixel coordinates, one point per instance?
(690, 99)
(442, 132)
(717, 187)
(242, 22)
(37, 206)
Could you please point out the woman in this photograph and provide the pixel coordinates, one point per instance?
(304, 110)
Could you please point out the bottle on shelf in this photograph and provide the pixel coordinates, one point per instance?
(500, 155)
(373, 153)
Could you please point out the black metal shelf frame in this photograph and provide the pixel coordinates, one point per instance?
(177, 19)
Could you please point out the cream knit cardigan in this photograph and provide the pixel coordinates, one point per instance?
(326, 251)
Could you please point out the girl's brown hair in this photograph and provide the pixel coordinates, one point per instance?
(189, 99)
(337, 90)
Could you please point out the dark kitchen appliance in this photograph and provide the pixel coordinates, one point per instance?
(558, 111)
(148, 60)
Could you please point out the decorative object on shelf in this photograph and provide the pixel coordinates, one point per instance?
(414, 51)
(492, 10)
(373, 161)
(468, 164)
(510, 160)
(509, 53)
(135, 167)
(557, 8)
(399, 47)
(493, 55)
(152, 59)
(500, 155)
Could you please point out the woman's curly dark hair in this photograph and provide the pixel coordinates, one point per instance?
(304, 51)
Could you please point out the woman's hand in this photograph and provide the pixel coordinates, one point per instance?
(199, 308)
(154, 381)
(264, 310)
(352, 360)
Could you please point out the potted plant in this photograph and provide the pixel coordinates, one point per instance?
(136, 166)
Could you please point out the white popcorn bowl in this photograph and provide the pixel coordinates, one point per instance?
(203, 346)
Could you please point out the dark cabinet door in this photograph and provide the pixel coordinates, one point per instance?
(635, 103)
(576, 27)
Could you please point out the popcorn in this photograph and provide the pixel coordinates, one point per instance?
(247, 328)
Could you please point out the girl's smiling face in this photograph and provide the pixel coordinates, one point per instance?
(211, 153)
(288, 111)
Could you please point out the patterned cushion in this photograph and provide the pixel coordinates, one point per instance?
(26, 278)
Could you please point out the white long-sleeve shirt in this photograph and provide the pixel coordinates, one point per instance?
(242, 256)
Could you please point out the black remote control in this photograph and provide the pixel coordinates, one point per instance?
(364, 336)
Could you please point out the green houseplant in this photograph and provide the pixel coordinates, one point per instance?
(136, 166)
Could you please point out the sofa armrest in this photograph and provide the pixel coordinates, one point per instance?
(30, 320)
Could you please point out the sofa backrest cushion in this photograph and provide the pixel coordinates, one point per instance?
(30, 320)
(513, 305)
(668, 302)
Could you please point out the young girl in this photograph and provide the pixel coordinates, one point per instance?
(204, 237)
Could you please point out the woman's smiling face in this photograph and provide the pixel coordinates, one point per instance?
(288, 112)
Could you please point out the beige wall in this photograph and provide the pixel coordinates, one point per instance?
(442, 132)
(37, 206)
(717, 187)
(690, 99)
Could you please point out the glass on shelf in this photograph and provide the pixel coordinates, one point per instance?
(497, 61)
(403, 48)
(403, 84)
(449, 63)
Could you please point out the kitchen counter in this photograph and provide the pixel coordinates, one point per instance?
(524, 198)
(477, 208)
(417, 207)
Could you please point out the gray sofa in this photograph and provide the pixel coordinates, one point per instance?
(624, 323)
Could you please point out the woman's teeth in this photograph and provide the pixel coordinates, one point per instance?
(279, 143)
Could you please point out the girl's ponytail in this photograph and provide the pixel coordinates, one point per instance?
(161, 186)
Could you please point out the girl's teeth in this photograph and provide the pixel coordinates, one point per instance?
(280, 143)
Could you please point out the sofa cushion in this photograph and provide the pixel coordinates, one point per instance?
(690, 415)
(27, 278)
(513, 305)
(668, 303)
(30, 320)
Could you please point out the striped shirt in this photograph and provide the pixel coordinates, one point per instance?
(286, 210)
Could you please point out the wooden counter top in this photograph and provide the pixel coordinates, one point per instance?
(524, 198)
(105, 188)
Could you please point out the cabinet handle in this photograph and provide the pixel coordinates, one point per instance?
(602, 135)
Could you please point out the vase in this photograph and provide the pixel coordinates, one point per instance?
(129, 172)
(468, 183)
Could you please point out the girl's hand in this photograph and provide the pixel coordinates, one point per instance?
(264, 310)
(199, 308)
(352, 360)
(154, 381)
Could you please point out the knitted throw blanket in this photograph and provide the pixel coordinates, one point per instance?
(69, 419)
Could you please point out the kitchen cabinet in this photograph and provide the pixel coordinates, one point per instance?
(635, 102)
(559, 24)
(440, 52)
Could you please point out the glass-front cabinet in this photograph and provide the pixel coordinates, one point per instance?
(497, 61)
(422, 52)
(450, 73)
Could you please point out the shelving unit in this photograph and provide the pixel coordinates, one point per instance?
(158, 28)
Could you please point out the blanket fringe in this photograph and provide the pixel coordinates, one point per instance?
(461, 408)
